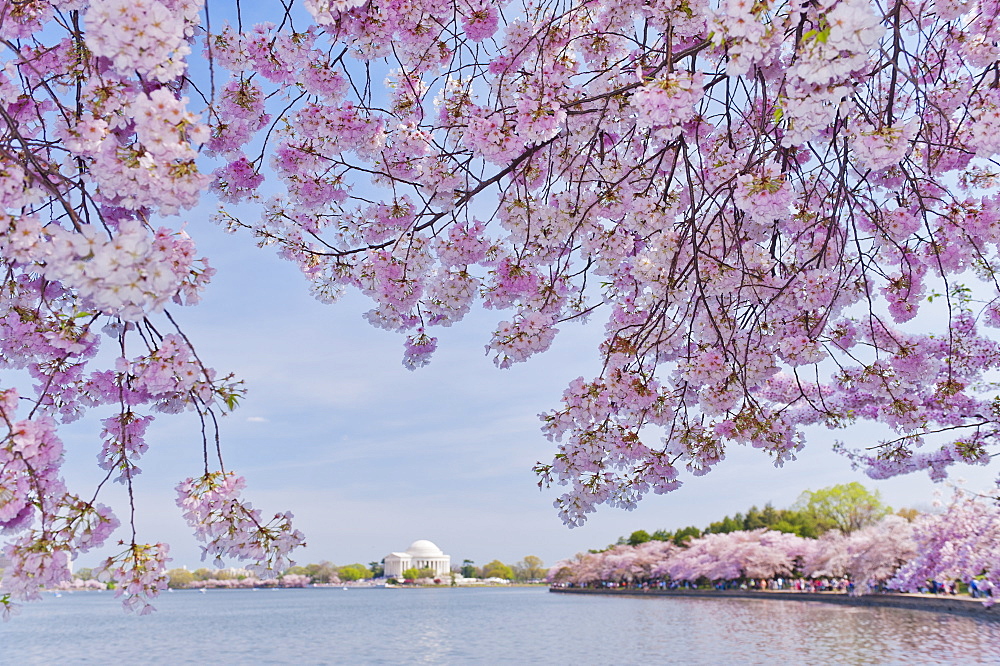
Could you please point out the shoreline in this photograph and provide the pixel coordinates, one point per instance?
(920, 602)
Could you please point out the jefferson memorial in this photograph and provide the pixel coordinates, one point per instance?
(420, 555)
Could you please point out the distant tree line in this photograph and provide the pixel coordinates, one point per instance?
(529, 569)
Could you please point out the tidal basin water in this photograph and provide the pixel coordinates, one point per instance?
(482, 626)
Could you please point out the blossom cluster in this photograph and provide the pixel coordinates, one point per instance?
(961, 541)
(40, 558)
(140, 574)
(128, 274)
(666, 104)
(144, 36)
(230, 527)
(158, 169)
(124, 443)
(878, 148)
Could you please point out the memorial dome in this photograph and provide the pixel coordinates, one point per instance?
(424, 548)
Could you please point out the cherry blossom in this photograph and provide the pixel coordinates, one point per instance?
(784, 214)
(960, 543)
(231, 527)
(870, 557)
(741, 554)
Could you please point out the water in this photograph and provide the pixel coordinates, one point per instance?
(482, 626)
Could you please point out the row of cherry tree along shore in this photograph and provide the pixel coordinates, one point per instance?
(906, 551)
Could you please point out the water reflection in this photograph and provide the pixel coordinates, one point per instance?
(749, 631)
(487, 626)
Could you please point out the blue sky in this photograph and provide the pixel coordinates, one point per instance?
(370, 456)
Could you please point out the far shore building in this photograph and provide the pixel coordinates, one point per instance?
(421, 554)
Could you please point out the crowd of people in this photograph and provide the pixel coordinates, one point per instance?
(972, 587)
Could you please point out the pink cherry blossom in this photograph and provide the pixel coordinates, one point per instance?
(784, 215)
